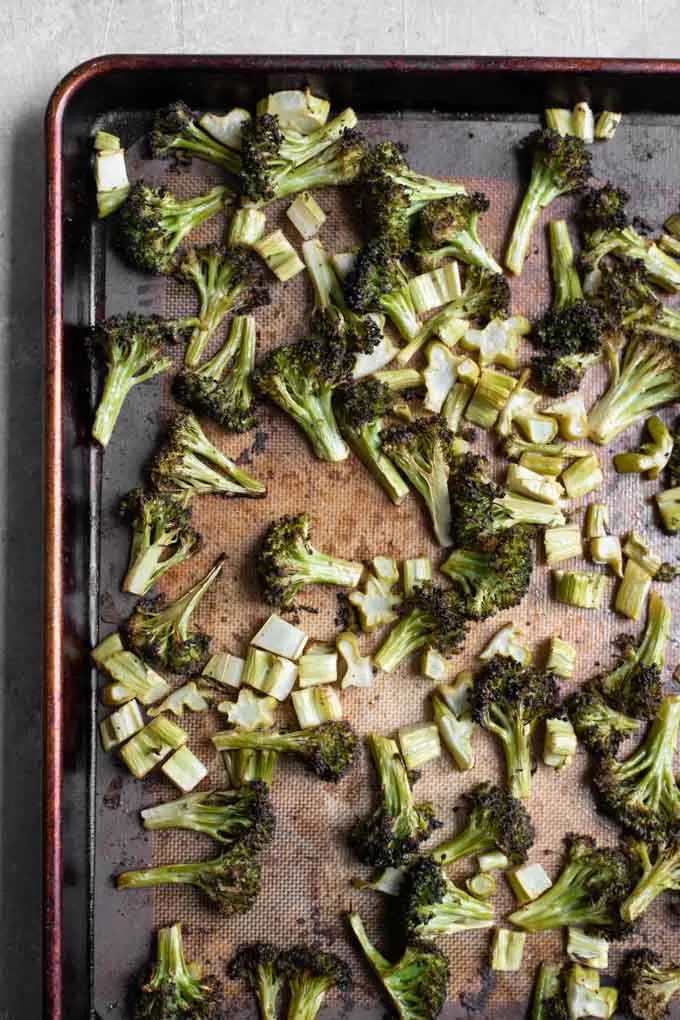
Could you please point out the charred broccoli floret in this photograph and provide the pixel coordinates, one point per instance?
(646, 986)
(176, 132)
(162, 537)
(559, 164)
(331, 317)
(226, 280)
(131, 348)
(625, 295)
(641, 792)
(244, 814)
(378, 284)
(174, 988)
(598, 726)
(287, 562)
(510, 700)
(160, 632)
(448, 229)
(416, 983)
(429, 616)
(221, 389)
(360, 411)
(392, 833)
(311, 973)
(587, 893)
(432, 905)
(259, 966)
(660, 863)
(496, 577)
(154, 222)
(496, 821)
(328, 750)
(188, 464)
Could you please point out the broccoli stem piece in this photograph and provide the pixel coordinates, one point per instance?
(226, 815)
(660, 873)
(565, 276)
(174, 988)
(548, 1001)
(329, 750)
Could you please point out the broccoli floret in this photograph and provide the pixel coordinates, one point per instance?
(188, 464)
(231, 881)
(360, 411)
(160, 632)
(432, 905)
(559, 165)
(331, 318)
(227, 280)
(275, 163)
(378, 283)
(259, 966)
(176, 132)
(243, 815)
(625, 295)
(549, 1001)
(162, 537)
(220, 389)
(328, 750)
(510, 700)
(660, 863)
(301, 378)
(311, 973)
(424, 451)
(392, 833)
(416, 983)
(598, 726)
(646, 986)
(587, 893)
(174, 988)
(287, 562)
(448, 229)
(154, 222)
(130, 347)
(429, 616)
(496, 578)
(641, 792)
(389, 194)
(571, 340)
(496, 821)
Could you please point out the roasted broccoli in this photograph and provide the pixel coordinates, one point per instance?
(510, 700)
(394, 830)
(230, 881)
(377, 283)
(641, 792)
(416, 983)
(130, 347)
(331, 318)
(226, 280)
(660, 864)
(559, 164)
(432, 905)
(311, 973)
(259, 966)
(162, 537)
(159, 631)
(360, 411)
(646, 986)
(587, 893)
(496, 577)
(174, 988)
(221, 389)
(154, 222)
(176, 132)
(188, 464)
(287, 562)
(624, 293)
(448, 229)
(598, 726)
(549, 1001)
(244, 814)
(328, 750)
(429, 616)
(496, 821)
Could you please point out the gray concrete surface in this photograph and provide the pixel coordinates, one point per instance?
(39, 42)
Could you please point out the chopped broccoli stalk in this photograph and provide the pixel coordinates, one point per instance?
(280, 637)
(246, 227)
(448, 229)
(584, 996)
(231, 881)
(647, 985)
(580, 588)
(184, 769)
(121, 725)
(560, 743)
(455, 730)
(150, 746)
(360, 411)
(588, 950)
(154, 222)
(259, 966)
(130, 348)
(227, 816)
(220, 389)
(668, 504)
(439, 375)
(188, 464)
(599, 726)
(635, 548)
(279, 255)
(358, 668)
(508, 641)
(317, 668)
(311, 974)
(176, 132)
(561, 657)
(432, 905)
(528, 882)
(548, 1001)
(490, 398)
(510, 701)
(633, 590)
(328, 750)
(287, 562)
(306, 215)
(483, 886)
(582, 476)
(496, 821)
(493, 861)
(225, 128)
(606, 125)
(660, 862)
(565, 278)
(571, 416)
(297, 110)
(597, 520)
(375, 604)
(588, 892)
(433, 665)
(607, 550)
(430, 616)
(495, 579)
(130, 676)
(525, 482)
(187, 696)
(435, 288)
(416, 983)
(173, 987)
(498, 343)
(316, 705)
(507, 950)
(562, 543)
(160, 631)
(250, 712)
(162, 537)
(419, 744)
(416, 570)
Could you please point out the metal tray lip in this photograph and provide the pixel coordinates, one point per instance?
(64, 93)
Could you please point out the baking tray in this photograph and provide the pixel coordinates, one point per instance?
(461, 118)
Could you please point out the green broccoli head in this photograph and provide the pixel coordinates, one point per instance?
(175, 989)
(646, 985)
(625, 294)
(431, 905)
(259, 966)
(162, 537)
(603, 209)
(311, 973)
(448, 229)
(495, 577)
(570, 340)
(243, 814)
(328, 750)
(496, 821)
(472, 494)
(377, 272)
(429, 616)
(598, 726)
(176, 132)
(660, 863)
(486, 294)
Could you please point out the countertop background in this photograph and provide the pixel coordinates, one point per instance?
(39, 42)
